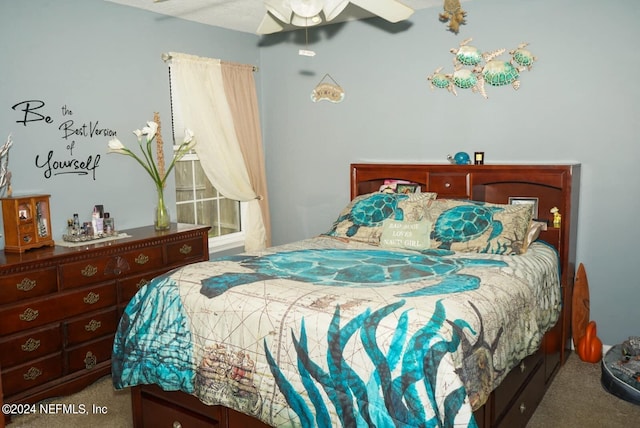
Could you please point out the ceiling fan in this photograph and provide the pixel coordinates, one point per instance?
(306, 13)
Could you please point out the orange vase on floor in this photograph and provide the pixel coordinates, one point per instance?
(590, 346)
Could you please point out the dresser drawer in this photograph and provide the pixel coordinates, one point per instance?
(183, 252)
(89, 355)
(449, 185)
(27, 285)
(515, 380)
(31, 374)
(36, 343)
(91, 327)
(39, 312)
(104, 268)
(127, 288)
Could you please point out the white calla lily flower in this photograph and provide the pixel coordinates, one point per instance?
(147, 161)
(115, 146)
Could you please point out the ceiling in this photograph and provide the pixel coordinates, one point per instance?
(241, 15)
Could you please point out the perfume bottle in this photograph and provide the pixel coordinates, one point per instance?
(109, 226)
(76, 224)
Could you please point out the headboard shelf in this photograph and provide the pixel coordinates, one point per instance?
(552, 185)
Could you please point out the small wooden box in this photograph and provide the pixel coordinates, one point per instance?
(27, 222)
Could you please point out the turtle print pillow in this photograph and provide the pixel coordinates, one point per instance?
(480, 227)
(363, 218)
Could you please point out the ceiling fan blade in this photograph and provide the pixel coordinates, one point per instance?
(269, 25)
(390, 10)
(280, 9)
(333, 8)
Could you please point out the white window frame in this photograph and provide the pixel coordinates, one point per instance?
(230, 241)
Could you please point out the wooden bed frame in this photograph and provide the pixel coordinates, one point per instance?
(515, 400)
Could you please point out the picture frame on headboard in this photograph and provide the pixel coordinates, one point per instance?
(406, 188)
(519, 200)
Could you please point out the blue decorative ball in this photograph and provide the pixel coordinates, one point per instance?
(462, 158)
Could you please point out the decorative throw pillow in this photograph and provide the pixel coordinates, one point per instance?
(534, 232)
(409, 235)
(362, 219)
(471, 226)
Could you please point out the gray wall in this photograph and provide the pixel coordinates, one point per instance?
(101, 61)
(575, 105)
(578, 104)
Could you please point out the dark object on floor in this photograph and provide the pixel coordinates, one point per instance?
(621, 374)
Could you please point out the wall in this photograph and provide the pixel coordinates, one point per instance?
(575, 105)
(578, 104)
(97, 64)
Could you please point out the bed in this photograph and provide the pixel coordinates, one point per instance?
(434, 308)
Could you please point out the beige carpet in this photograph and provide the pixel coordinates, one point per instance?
(575, 399)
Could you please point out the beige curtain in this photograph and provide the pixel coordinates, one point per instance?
(240, 88)
(205, 110)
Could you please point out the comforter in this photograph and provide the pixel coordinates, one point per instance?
(328, 333)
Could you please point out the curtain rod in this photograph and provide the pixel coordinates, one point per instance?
(166, 57)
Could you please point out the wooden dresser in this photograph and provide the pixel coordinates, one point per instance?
(60, 306)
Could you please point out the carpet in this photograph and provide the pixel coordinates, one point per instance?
(574, 399)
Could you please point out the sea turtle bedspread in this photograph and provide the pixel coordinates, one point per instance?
(323, 333)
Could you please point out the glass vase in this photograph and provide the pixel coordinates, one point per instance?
(161, 220)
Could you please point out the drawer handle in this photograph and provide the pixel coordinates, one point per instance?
(185, 249)
(30, 345)
(29, 314)
(523, 367)
(91, 298)
(93, 325)
(141, 283)
(176, 424)
(447, 185)
(90, 360)
(26, 284)
(32, 374)
(142, 259)
(89, 270)
(523, 408)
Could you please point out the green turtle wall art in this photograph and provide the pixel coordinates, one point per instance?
(475, 69)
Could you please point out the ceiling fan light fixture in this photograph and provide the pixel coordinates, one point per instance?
(306, 8)
(303, 21)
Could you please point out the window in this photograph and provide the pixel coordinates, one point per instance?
(199, 202)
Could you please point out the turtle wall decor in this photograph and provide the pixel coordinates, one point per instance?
(474, 69)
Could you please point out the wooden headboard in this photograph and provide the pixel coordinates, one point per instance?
(552, 186)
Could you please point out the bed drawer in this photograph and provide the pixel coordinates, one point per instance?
(162, 414)
(101, 269)
(449, 185)
(515, 381)
(34, 344)
(31, 374)
(27, 285)
(526, 403)
(163, 408)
